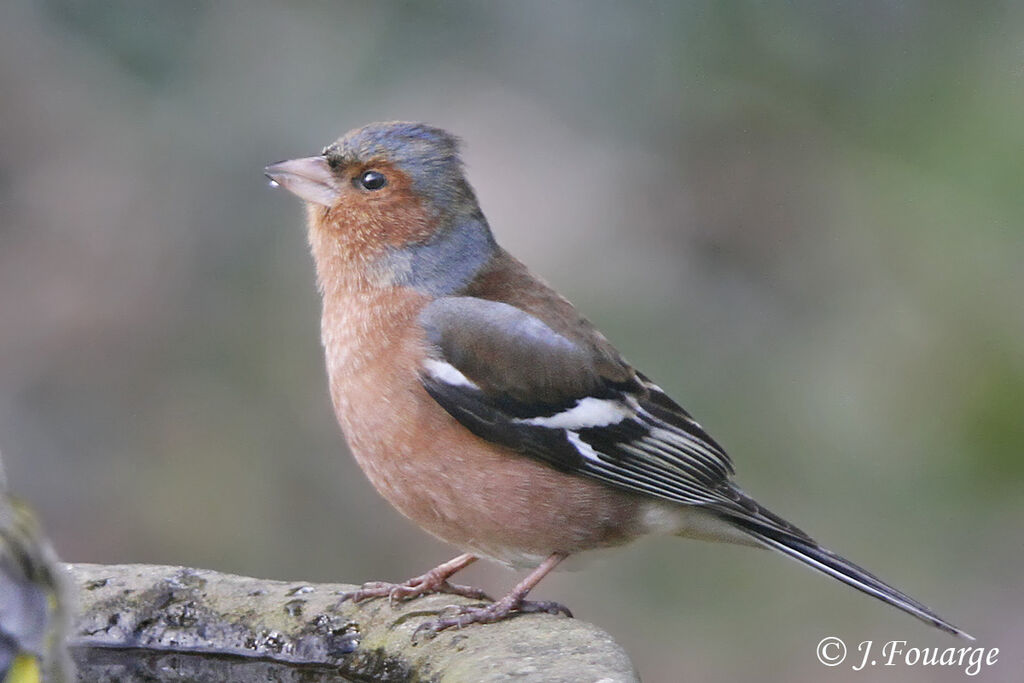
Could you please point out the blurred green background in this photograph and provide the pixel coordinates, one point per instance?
(804, 219)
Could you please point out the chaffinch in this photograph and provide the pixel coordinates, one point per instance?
(482, 405)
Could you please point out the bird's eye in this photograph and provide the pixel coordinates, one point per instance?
(372, 180)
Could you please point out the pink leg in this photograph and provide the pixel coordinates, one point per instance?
(513, 603)
(434, 581)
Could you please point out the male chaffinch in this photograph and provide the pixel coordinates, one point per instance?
(482, 405)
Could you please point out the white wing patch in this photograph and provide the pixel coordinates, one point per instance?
(583, 447)
(588, 412)
(447, 373)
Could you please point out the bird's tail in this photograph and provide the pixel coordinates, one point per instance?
(790, 541)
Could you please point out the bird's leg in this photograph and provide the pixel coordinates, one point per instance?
(513, 603)
(434, 581)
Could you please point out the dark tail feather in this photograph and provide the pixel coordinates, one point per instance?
(825, 561)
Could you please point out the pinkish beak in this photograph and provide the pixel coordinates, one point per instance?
(309, 178)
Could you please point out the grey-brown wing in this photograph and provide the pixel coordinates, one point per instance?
(510, 378)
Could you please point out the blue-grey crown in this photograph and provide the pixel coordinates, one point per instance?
(429, 155)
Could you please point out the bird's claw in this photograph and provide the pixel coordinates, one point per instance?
(546, 606)
(414, 588)
(464, 615)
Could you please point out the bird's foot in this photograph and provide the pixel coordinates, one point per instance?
(509, 606)
(434, 581)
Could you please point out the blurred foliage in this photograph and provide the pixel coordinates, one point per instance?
(804, 219)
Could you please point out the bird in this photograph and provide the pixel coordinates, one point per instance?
(33, 598)
(483, 406)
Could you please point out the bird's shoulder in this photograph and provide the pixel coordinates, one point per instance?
(516, 334)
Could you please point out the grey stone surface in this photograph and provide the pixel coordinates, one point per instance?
(220, 627)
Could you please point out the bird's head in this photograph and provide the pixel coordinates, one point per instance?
(392, 198)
